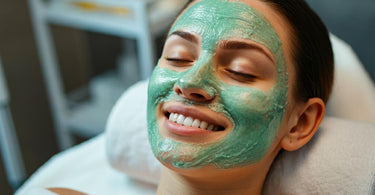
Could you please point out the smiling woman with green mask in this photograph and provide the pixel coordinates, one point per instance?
(237, 82)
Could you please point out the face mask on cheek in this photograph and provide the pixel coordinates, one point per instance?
(256, 115)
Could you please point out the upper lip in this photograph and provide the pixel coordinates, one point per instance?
(197, 113)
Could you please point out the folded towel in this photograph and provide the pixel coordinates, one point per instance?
(340, 159)
(127, 145)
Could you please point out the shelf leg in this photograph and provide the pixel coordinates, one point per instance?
(145, 44)
(51, 73)
(10, 150)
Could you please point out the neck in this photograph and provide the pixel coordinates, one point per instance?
(246, 180)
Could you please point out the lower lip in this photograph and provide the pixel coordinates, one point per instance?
(184, 130)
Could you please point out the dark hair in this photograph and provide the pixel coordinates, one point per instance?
(311, 49)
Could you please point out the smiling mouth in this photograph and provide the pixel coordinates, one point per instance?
(192, 122)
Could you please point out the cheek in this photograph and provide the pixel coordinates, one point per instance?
(245, 103)
(256, 116)
(161, 84)
(256, 123)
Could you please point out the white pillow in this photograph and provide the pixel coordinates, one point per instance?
(127, 146)
(341, 156)
(353, 94)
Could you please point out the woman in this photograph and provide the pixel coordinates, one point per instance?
(237, 82)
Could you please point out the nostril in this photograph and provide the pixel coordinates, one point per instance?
(197, 96)
(178, 91)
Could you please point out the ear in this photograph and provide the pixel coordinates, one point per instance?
(309, 116)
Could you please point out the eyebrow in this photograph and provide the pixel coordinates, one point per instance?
(186, 35)
(236, 44)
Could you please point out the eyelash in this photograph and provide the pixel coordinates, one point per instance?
(242, 77)
(178, 61)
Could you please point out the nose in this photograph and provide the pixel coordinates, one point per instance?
(193, 93)
(195, 84)
(197, 94)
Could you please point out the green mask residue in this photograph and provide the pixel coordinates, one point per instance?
(256, 115)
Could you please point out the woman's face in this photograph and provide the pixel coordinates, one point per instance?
(219, 92)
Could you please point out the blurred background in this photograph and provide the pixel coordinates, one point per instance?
(63, 64)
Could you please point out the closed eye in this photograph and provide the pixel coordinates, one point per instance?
(178, 60)
(239, 76)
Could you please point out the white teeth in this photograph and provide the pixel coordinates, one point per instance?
(191, 122)
(188, 121)
(203, 125)
(196, 123)
(173, 117)
(180, 119)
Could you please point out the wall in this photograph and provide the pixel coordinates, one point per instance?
(354, 22)
(4, 187)
(29, 103)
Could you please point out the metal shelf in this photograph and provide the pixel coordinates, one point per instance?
(64, 13)
(142, 22)
(9, 147)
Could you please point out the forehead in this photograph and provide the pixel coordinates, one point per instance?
(218, 20)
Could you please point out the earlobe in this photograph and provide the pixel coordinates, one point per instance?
(312, 113)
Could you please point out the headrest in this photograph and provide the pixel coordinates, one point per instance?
(353, 94)
(340, 157)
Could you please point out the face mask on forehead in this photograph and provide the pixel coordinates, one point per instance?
(256, 115)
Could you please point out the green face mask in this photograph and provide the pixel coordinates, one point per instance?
(256, 115)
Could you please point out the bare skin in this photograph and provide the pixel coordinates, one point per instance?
(65, 191)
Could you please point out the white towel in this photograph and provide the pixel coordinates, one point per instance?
(340, 159)
(128, 149)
